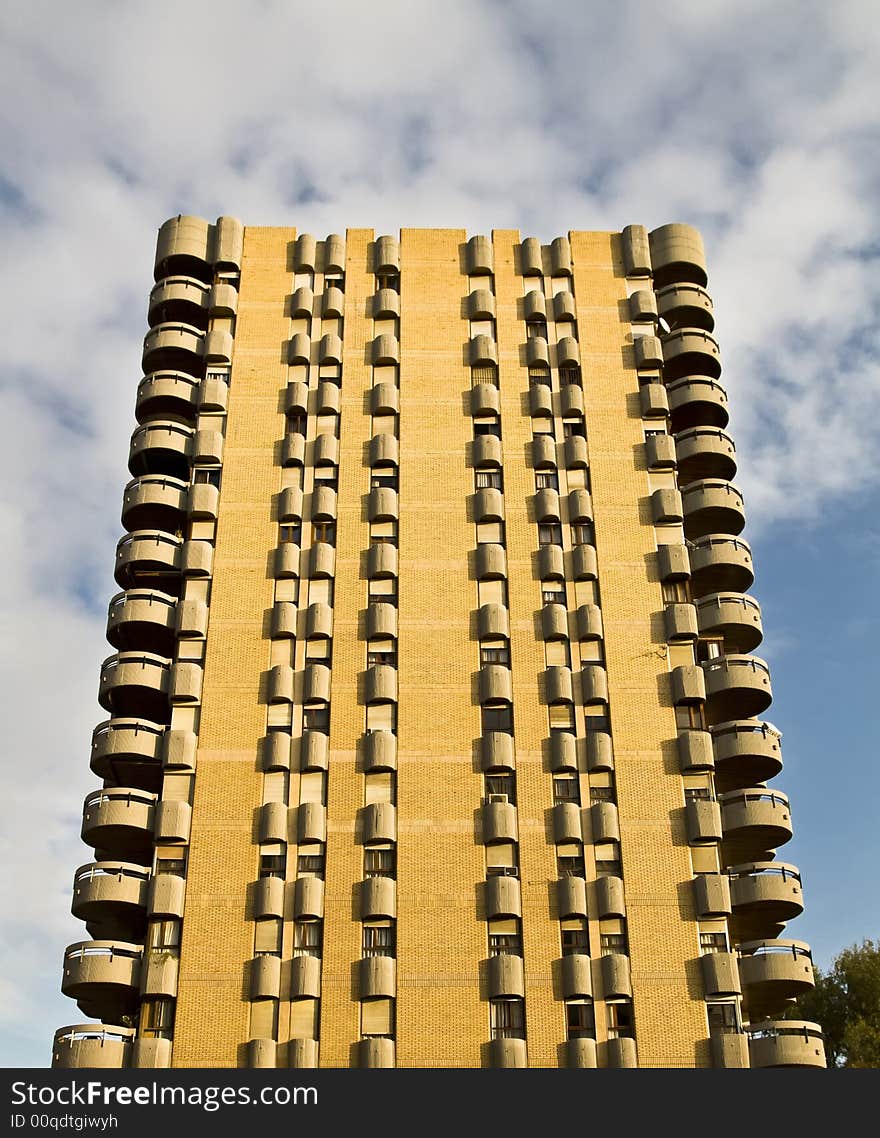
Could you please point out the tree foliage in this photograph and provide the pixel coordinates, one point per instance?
(846, 1003)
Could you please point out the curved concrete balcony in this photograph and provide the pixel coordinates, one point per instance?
(379, 751)
(554, 622)
(142, 620)
(326, 452)
(643, 307)
(504, 977)
(308, 899)
(385, 350)
(690, 351)
(530, 257)
(223, 299)
(720, 974)
(385, 399)
(584, 566)
(540, 400)
(380, 684)
(119, 821)
(149, 557)
(161, 447)
(184, 246)
(735, 617)
(333, 303)
(564, 308)
(696, 401)
(135, 684)
(154, 501)
(480, 304)
(181, 300)
(754, 822)
(495, 683)
(576, 975)
(614, 968)
(111, 897)
(386, 254)
(265, 978)
(325, 503)
(575, 454)
(660, 452)
(129, 751)
(581, 1053)
(502, 898)
(305, 977)
(383, 504)
(486, 451)
(677, 255)
(322, 560)
(551, 563)
(547, 505)
(381, 621)
(382, 560)
(786, 1043)
(167, 395)
(737, 687)
(621, 1052)
(560, 257)
(571, 897)
(203, 501)
(747, 753)
(378, 899)
(705, 452)
(375, 1051)
(94, 1045)
(712, 506)
(103, 976)
(499, 821)
(485, 400)
(653, 401)
(178, 347)
(488, 505)
(508, 1053)
(720, 563)
(543, 452)
(538, 351)
(377, 977)
(329, 400)
(386, 303)
(773, 972)
(305, 252)
(378, 823)
(686, 306)
(496, 752)
(490, 562)
(566, 823)
(764, 895)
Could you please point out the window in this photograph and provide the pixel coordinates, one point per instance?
(485, 479)
(571, 865)
(582, 533)
(273, 865)
(709, 649)
(723, 1018)
(713, 942)
(488, 426)
(490, 533)
(539, 376)
(674, 592)
(607, 859)
(379, 862)
(310, 865)
(334, 280)
(612, 942)
(384, 480)
(379, 940)
(377, 1018)
(157, 1018)
(549, 533)
(484, 373)
(317, 718)
(327, 476)
(296, 423)
(596, 719)
(580, 1020)
(501, 784)
(697, 794)
(574, 428)
(565, 789)
(601, 794)
(507, 1019)
(690, 716)
(163, 935)
(561, 718)
(175, 865)
(307, 938)
(499, 655)
(620, 1020)
(387, 657)
(388, 280)
(292, 533)
(536, 328)
(569, 373)
(203, 474)
(382, 590)
(324, 531)
(547, 480)
(575, 937)
(505, 943)
(553, 593)
(331, 373)
(497, 719)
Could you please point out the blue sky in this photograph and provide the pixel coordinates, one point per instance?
(754, 121)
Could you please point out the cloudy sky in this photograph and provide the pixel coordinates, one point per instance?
(754, 121)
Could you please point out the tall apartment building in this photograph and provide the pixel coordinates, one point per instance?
(434, 731)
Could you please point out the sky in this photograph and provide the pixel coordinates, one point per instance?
(755, 122)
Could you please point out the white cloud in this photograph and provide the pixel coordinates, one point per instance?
(755, 122)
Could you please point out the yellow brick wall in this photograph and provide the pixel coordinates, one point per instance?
(217, 941)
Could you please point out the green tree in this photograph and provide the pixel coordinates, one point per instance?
(846, 1002)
